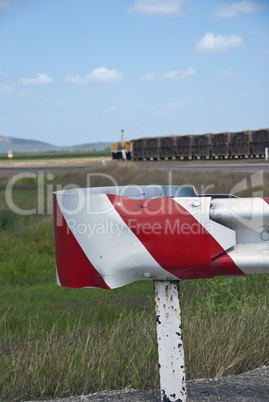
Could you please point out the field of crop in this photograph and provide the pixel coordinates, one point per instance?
(58, 342)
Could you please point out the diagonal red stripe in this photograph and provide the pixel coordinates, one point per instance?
(174, 238)
(74, 268)
(223, 265)
(266, 199)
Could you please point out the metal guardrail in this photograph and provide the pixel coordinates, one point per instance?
(110, 237)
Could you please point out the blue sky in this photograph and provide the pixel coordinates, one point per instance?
(77, 71)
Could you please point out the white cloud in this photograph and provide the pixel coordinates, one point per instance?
(38, 79)
(6, 89)
(155, 7)
(169, 75)
(101, 74)
(211, 43)
(235, 9)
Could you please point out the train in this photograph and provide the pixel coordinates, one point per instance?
(123, 149)
(226, 145)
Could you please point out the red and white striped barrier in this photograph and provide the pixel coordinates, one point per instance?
(110, 237)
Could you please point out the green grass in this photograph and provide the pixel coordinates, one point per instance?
(58, 342)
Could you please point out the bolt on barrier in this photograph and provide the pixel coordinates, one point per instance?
(112, 236)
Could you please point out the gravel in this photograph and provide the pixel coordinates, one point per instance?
(247, 387)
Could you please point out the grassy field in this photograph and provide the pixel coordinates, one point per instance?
(57, 342)
(55, 155)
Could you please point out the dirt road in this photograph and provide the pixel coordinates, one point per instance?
(10, 168)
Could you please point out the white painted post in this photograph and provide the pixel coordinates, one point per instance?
(170, 341)
(266, 153)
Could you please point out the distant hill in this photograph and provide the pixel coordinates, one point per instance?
(19, 145)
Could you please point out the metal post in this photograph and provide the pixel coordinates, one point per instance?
(266, 153)
(170, 341)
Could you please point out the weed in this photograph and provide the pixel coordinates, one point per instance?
(8, 218)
